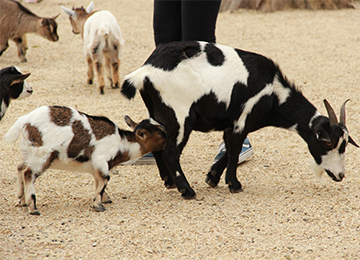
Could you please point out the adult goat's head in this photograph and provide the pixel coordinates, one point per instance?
(329, 143)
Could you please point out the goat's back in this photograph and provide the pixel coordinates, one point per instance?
(12, 14)
(104, 25)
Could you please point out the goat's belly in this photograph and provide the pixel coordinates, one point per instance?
(72, 166)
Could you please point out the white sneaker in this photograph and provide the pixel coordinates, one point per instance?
(246, 151)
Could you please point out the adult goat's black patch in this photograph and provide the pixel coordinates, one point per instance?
(214, 55)
(168, 56)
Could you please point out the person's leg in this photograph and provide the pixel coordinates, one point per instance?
(167, 21)
(199, 20)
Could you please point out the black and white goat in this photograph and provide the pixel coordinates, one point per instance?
(203, 86)
(12, 86)
(63, 138)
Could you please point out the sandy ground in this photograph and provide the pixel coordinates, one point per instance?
(283, 213)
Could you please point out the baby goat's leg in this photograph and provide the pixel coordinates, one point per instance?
(108, 69)
(115, 64)
(3, 45)
(101, 180)
(100, 74)
(20, 185)
(21, 44)
(90, 72)
(30, 198)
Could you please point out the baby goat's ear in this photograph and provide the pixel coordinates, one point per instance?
(130, 122)
(141, 134)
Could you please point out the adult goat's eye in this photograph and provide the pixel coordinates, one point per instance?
(328, 143)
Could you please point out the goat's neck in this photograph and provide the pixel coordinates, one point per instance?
(296, 114)
(31, 24)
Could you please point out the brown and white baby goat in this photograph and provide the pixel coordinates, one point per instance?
(16, 21)
(64, 138)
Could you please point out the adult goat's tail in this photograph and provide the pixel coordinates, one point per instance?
(133, 81)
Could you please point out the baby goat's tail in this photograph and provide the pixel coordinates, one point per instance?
(14, 132)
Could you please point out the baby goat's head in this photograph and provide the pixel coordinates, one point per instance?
(328, 145)
(78, 16)
(149, 134)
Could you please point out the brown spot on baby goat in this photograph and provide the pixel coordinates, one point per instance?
(119, 158)
(54, 155)
(80, 142)
(101, 126)
(61, 116)
(35, 136)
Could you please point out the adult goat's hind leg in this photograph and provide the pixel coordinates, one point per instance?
(233, 144)
(217, 169)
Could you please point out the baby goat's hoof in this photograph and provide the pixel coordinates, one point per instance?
(99, 208)
(90, 82)
(102, 91)
(116, 85)
(108, 201)
(35, 212)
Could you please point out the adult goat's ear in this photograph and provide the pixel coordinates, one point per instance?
(130, 122)
(351, 141)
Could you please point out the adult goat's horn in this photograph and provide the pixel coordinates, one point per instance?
(332, 116)
(342, 113)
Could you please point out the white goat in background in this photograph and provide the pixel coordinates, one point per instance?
(102, 40)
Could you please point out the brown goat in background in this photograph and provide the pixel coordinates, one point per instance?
(16, 21)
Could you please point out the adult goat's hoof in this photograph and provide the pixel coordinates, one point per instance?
(235, 189)
(170, 185)
(211, 181)
(188, 194)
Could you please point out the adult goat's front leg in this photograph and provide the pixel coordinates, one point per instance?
(164, 171)
(171, 159)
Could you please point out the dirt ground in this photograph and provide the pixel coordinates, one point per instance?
(283, 213)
